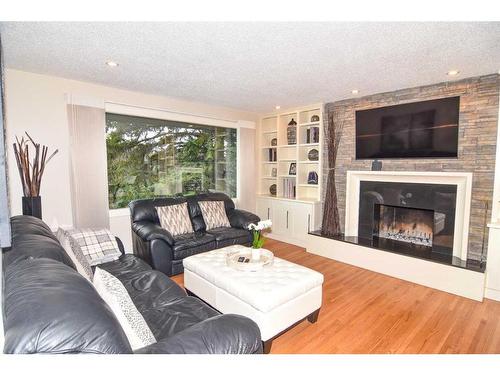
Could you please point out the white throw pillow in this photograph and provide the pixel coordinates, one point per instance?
(98, 245)
(117, 298)
(214, 214)
(75, 253)
(175, 219)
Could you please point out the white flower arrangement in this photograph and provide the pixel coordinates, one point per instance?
(261, 225)
(258, 237)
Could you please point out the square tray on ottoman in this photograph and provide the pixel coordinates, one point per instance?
(275, 297)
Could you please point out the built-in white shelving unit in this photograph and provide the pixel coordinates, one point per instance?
(295, 216)
(274, 126)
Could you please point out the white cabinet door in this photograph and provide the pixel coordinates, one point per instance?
(264, 208)
(280, 216)
(292, 221)
(300, 221)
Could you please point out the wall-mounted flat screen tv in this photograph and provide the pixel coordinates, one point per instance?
(427, 129)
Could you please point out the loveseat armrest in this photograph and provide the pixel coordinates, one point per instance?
(222, 334)
(241, 219)
(149, 231)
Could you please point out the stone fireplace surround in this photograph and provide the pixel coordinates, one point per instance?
(478, 121)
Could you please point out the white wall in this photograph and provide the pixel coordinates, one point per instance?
(37, 104)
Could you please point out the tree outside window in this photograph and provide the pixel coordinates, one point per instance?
(150, 158)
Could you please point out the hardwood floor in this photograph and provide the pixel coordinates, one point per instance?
(367, 312)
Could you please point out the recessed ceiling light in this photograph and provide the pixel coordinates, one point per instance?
(355, 92)
(278, 107)
(453, 72)
(112, 64)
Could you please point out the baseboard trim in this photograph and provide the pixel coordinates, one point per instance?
(492, 294)
(459, 281)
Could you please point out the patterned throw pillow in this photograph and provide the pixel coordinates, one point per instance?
(99, 246)
(117, 298)
(175, 219)
(214, 214)
(75, 253)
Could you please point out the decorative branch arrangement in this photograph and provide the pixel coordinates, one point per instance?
(31, 172)
(331, 221)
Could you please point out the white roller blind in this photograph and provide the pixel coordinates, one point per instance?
(88, 166)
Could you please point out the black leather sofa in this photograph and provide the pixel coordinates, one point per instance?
(50, 308)
(165, 252)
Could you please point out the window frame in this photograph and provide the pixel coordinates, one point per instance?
(165, 115)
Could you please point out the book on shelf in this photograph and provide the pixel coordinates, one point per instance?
(312, 135)
(273, 154)
(289, 188)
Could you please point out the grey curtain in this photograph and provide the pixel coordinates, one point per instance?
(88, 166)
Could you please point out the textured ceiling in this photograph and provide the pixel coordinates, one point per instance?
(255, 66)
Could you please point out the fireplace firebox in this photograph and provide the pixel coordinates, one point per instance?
(414, 218)
(405, 224)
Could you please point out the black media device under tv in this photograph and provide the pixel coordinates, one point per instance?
(427, 129)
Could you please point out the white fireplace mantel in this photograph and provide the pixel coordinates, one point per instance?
(463, 181)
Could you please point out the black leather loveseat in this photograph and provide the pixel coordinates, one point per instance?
(50, 308)
(165, 252)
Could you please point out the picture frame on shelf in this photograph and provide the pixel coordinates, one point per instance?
(292, 171)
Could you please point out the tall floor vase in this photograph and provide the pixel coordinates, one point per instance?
(331, 222)
(32, 206)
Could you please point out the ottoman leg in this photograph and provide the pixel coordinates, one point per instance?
(267, 346)
(313, 317)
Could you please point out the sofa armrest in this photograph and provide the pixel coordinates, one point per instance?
(241, 219)
(149, 231)
(222, 334)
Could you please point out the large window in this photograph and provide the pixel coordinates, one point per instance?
(150, 158)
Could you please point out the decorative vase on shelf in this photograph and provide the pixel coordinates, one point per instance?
(312, 178)
(272, 189)
(291, 132)
(313, 155)
(32, 206)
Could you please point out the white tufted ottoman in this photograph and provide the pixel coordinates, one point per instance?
(275, 297)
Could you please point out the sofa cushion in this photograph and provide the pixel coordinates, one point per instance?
(31, 246)
(75, 252)
(126, 266)
(224, 234)
(50, 308)
(195, 210)
(144, 209)
(98, 245)
(115, 295)
(24, 224)
(189, 244)
(170, 318)
(163, 304)
(214, 214)
(175, 219)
